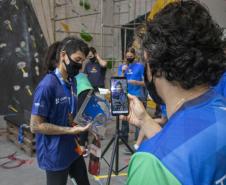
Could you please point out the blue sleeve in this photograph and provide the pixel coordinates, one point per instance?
(42, 101)
(120, 70)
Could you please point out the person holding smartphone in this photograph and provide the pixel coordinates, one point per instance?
(53, 110)
(187, 60)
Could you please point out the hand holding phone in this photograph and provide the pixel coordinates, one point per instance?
(119, 99)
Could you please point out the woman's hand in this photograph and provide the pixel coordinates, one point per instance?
(124, 68)
(137, 112)
(77, 129)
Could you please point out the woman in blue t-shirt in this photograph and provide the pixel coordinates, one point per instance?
(54, 107)
(134, 73)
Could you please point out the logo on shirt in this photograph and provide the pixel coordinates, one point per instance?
(129, 72)
(62, 100)
(57, 100)
(93, 70)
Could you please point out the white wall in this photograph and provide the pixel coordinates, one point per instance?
(117, 13)
(217, 9)
(114, 14)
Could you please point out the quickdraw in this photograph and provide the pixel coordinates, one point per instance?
(21, 133)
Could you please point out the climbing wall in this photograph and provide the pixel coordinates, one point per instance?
(22, 45)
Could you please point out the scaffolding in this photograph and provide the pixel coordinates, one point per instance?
(121, 9)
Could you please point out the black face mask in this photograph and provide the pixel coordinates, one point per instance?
(72, 68)
(92, 59)
(152, 89)
(130, 60)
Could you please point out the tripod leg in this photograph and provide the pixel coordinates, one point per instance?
(112, 161)
(127, 145)
(107, 147)
(117, 155)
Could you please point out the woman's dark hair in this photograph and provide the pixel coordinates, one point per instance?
(71, 45)
(50, 60)
(131, 50)
(185, 45)
(93, 50)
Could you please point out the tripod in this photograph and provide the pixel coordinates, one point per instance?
(115, 152)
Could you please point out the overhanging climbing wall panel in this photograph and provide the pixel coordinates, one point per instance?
(22, 46)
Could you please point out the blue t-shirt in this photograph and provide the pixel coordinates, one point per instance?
(192, 145)
(135, 71)
(221, 86)
(96, 74)
(54, 152)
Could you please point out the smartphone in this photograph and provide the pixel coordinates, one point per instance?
(119, 98)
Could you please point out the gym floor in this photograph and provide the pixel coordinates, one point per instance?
(30, 174)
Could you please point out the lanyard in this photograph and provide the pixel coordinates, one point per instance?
(65, 87)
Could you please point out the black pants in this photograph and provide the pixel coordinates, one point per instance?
(77, 171)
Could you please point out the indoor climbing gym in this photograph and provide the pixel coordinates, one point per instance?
(113, 92)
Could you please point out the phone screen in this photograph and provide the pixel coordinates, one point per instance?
(119, 99)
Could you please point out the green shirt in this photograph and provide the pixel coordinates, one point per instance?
(146, 169)
(82, 83)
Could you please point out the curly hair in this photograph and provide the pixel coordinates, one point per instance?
(185, 45)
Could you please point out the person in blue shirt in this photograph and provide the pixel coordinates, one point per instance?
(53, 109)
(187, 60)
(134, 72)
(95, 69)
